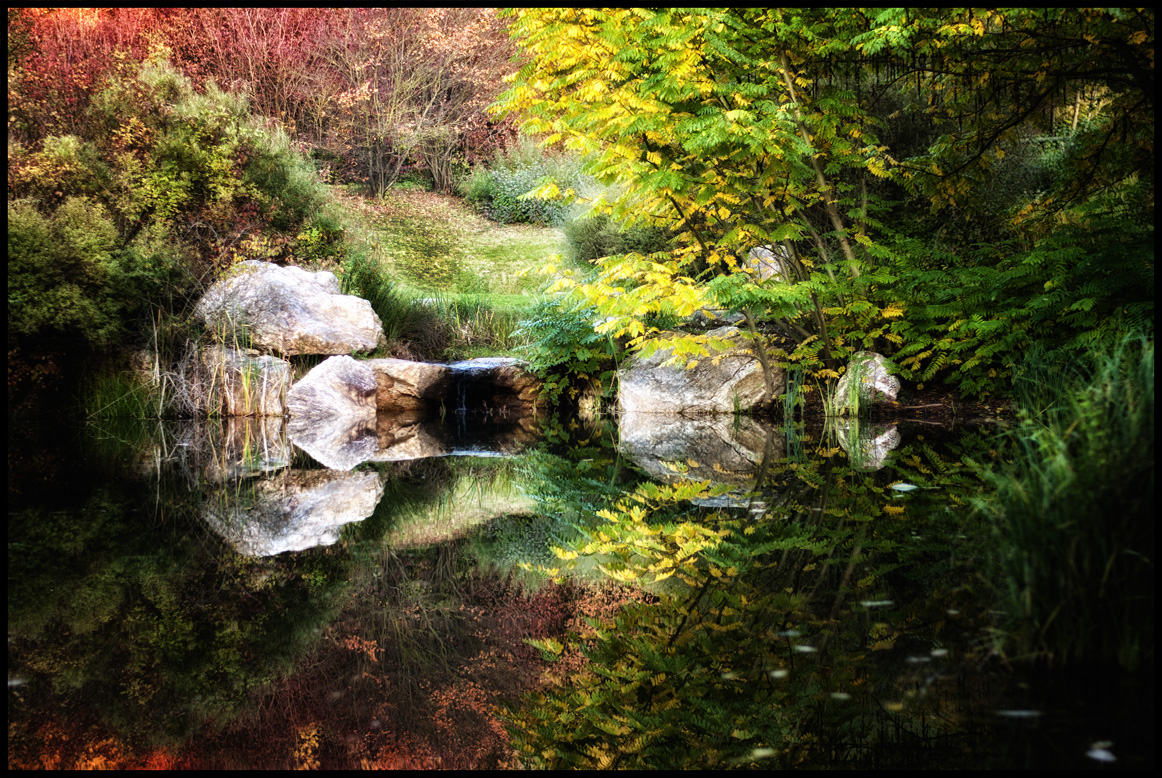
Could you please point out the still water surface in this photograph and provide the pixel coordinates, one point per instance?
(212, 595)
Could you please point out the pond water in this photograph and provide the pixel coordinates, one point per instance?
(214, 594)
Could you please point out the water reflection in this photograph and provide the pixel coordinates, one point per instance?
(292, 511)
(344, 443)
(789, 610)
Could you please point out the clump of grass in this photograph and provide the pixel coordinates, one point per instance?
(1074, 511)
(476, 327)
(116, 394)
(402, 319)
(441, 327)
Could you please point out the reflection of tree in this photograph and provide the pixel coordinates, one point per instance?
(768, 643)
(148, 620)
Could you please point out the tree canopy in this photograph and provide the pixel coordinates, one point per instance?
(817, 130)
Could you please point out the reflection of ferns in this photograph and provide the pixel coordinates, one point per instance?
(720, 668)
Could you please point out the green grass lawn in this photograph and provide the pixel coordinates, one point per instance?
(437, 246)
(460, 282)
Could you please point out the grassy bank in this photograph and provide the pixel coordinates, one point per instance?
(447, 282)
(434, 244)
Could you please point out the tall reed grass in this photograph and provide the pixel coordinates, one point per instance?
(1073, 512)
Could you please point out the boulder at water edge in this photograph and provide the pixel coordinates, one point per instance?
(219, 380)
(875, 383)
(726, 381)
(289, 310)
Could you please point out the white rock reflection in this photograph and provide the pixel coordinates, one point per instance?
(292, 511)
(720, 449)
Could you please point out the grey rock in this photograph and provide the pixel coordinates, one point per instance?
(767, 262)
(332, 413)
(289, 310)
(339, 387)
(876, 384)
(727, 381)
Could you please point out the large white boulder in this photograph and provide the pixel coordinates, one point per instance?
(727, 381)
(289, 310)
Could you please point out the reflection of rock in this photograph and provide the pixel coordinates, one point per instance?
(339, 443)
(405, 436)
(724, 382)
(408, 436)
(290, 310)
(396, 437)
(221, 449)
(719, 449)
(247, 447)
(867, 445)
(292, 511)
(875, 382)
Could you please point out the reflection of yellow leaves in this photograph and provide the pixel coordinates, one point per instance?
(306, 750)
(893, 510)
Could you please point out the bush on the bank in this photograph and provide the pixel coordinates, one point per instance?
(590, 239)
(65, 273)
(502, 187)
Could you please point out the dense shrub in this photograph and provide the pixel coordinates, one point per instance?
(153, 190)
(502, 188)
(590, 239)
(565, 351)
(65, 273)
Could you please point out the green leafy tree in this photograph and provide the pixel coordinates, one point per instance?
(764, 127)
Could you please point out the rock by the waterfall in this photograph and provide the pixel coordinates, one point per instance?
(725, 382)
(498, 385)
(332, 413)
(495, 385)
(294, 510)
(226, 381)
(289, 310)
(336, 387)
(876, 384)
(403, 385)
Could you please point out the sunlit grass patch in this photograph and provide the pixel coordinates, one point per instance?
(436, 243)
